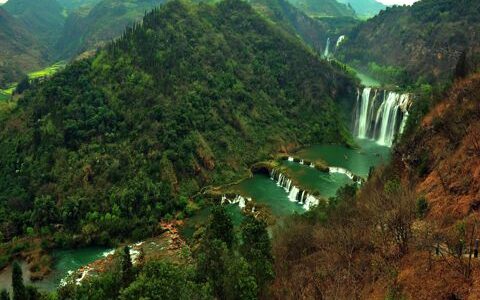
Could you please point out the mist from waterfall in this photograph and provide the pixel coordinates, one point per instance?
(380, 115)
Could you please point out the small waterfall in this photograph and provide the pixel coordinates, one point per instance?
(326, 53)
(309, 202)
(240, 200)
(290, 158)
(292, 196)
(295, 194)
(341, 171)
(380, 118)
(339, 41)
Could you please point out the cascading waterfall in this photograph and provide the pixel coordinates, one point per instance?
(295, 194)
(363, 121)
(326, 53)
(341, 171)
(379, 117)
(240, 200)
(339, 41)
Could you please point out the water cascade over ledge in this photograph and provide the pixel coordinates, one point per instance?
(240, 200)
(295, 194)
(380, 115)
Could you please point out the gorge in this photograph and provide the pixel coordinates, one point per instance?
(233, 150)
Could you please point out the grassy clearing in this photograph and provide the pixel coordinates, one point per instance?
(5, 94)
(48, 71)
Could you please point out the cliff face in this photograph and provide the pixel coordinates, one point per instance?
(427, 39)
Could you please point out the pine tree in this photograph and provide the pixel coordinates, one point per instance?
(257, 249)
(461, 69)
(17, 283)
(221, 226)
(212, 265)
(127, 270)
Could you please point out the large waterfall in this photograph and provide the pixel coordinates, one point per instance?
(380, 115)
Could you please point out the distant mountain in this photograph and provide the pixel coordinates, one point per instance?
(19, 50)
(324, 8)
(313, 31)
(293, 20)
(44, 18)
(74, 4)
(89, 28)
(365, 8)
(425, 40)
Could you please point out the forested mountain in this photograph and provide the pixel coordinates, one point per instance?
(43, 18)
(324, 8)
(426, 39)
(365, 8)
(89, 28)
(190, 97)
(19, 50)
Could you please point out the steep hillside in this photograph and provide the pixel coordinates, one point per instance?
(445, 161)
(190, 98)
(19, 50)
(43, 18)
(365, 8)
(324, 8)
(426, 39)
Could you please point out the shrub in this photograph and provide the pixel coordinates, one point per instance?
(422, 207)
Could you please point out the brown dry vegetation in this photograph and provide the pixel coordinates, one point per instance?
(374, 244)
